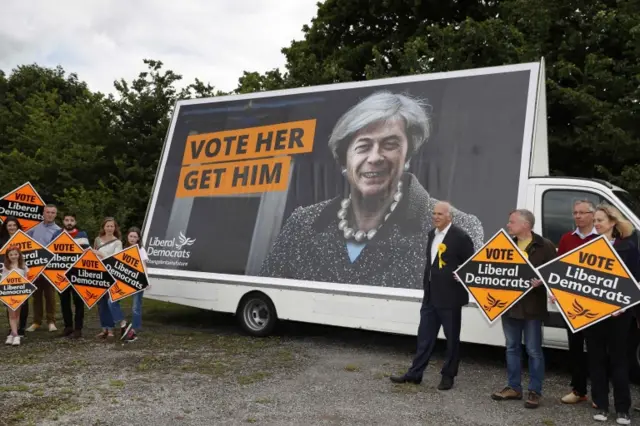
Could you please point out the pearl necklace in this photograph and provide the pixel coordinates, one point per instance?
(360, 235)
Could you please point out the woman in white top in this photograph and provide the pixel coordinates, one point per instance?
(133, 237)
(14, 260)
(107, 244)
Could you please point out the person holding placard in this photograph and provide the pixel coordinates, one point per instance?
(43, 233)
(106, 244)
(526, 316)
(72, 329)
(583, 214)
(133, 237)
(8, 229)
(14, 260)
(607, 339)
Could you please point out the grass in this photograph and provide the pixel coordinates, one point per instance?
(16, 388)
(352, 368)
(65, 376)
(256, 377)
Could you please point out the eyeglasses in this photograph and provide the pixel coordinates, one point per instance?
(575, 213)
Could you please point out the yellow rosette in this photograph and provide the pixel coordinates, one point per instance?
(441, 249)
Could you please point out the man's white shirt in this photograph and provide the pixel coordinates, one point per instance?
(438, 238)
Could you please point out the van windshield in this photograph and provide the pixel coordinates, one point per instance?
(630, 201)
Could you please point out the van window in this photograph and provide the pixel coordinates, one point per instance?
(557, 211)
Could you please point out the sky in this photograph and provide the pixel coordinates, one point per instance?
(105, 40)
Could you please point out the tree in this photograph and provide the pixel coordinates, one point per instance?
(591, 49)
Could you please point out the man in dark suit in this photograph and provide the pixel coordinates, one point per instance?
(448, 247)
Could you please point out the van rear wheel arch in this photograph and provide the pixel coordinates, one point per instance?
(257, 314)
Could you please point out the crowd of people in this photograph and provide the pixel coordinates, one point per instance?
(108, 242)
(605, 359)
(606, 356)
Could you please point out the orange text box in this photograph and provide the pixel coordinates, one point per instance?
(242, 177)
(294, 137)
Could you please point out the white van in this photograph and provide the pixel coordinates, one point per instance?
(254, 195)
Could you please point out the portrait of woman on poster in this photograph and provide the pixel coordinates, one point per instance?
(377, 233)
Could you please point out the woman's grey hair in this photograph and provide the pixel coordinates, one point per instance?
(381, 106)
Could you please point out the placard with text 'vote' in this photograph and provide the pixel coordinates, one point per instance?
(66, 251)
(24, 204)
(89, 278)
(129, 272)
(590, 283)
(15, 290)
(36, 256)
(497, 276)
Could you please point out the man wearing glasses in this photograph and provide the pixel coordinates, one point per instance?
(583, 211)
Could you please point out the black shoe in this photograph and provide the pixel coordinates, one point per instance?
(446, 383)
(623, 419)
(124, 330)
(405, 379)
(66, 332)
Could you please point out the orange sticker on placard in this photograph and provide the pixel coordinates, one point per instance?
(66, 252)
(129, 272)
(36, 256)
(24, 204)
(15, 289)
(89, 278)
(590, 283)
(497, 276)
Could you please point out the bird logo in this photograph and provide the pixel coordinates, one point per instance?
(184, 241)
(579, 311)
(89, 296)
(14, 302)
(493, 303)
(117, 290)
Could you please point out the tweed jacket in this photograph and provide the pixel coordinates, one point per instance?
(311, 247)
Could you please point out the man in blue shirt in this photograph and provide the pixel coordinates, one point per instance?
(44, 232)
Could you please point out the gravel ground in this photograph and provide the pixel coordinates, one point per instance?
(191, 367)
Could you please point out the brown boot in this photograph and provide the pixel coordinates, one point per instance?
(533, 400)
(506, 394)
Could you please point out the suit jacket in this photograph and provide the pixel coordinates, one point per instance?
(441, 289)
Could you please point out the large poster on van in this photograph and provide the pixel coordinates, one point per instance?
(337, 183)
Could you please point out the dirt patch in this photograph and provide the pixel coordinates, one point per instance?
(192, 367)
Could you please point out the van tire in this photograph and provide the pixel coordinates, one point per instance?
(257, 314)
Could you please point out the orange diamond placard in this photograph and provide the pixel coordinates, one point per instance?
(24, 204)
(66, 251)
(89, 278)
(590, 283)
(497, 276)
(129, 272)
(36, 256)
(15, 290)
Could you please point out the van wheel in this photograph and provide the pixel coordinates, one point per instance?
(257, 314)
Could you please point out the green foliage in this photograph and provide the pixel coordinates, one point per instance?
(591, 49)
(90, 154)
(97, 155)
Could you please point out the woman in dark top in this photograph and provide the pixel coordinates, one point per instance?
(607, 340)
(8, 229)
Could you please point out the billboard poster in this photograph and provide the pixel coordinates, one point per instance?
(337, 183)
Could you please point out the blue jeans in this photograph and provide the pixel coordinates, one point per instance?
(136, 311)
(110, 313)
(513, 331)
